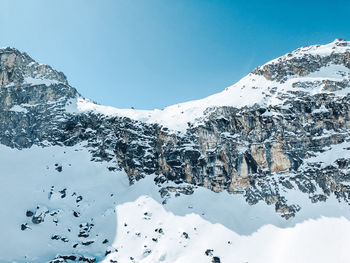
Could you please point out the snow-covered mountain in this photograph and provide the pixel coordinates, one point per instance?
(256, 173)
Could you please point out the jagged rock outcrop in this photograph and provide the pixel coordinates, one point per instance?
(18, 68)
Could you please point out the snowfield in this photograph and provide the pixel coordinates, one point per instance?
(133, 221)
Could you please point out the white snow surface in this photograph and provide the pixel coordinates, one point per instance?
(18, 108)
(40, 81)
(330, 155)
(129, 215)
(305, 242)
(250, 90)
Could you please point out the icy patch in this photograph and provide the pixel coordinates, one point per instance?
(18, 108)
(328, 157)
(322, 109)
(40, 81)
(332, 72)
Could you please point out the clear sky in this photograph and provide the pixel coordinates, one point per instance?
(153, 53)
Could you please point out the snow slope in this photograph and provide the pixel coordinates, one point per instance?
(161, 236)
(130, 217)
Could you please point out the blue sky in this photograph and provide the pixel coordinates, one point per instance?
(153, 53)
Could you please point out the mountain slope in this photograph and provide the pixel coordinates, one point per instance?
(268, 156)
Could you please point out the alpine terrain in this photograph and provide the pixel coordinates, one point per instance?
(257, 173)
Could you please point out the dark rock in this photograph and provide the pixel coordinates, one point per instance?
(159, 230)
(37, 219)
(185, 235)
(79, 198)
(24, 227)
(88, 260)
(87, 243)
(63, 193)
(29, 213)
(76, 214)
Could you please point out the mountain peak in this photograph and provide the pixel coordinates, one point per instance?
(340, 40)
(27, 83)
(18, 68)
(306, 60)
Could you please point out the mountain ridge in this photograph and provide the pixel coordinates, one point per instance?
(224, 98)
(244, 92)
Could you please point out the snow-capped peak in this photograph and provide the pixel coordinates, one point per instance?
(337, 46)
(20, 68)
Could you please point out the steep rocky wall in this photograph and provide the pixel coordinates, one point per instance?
(254, 151)
(241, 150)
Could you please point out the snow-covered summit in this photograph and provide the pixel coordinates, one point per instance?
(337, 46)
(306, 60)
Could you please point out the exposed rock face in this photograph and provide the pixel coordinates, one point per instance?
(32, 98)
(260, 151)
(249, 152)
